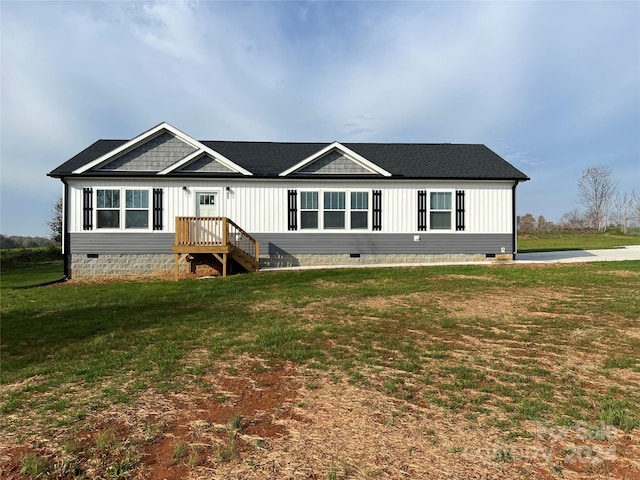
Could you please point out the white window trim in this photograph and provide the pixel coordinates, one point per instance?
(343, 210)
(368, 210)
(123, 210)
(317, 210)
(452, 227)
(347, 211)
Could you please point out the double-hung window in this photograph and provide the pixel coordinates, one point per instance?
(440, 211)
(111, 214)
(308, 210)
(359, 210)
(137, 209)
(108, 209)
(334, 210)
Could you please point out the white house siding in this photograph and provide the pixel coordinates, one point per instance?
(488, 206)
(261, 206)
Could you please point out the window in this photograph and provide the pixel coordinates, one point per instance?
(347, 210)
(359, 210)
(308, 210)
(207, 198)
(334, 209)
(440, 211)
(109, 212)
(108, 209)
(137, 209)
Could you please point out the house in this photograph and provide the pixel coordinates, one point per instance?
(162, 200)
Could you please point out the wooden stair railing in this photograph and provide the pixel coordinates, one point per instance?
(219, 236)
(246, 249)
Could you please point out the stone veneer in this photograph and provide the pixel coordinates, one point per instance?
(374, 259)
(85, 266)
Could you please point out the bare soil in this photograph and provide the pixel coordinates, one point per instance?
(304, 424)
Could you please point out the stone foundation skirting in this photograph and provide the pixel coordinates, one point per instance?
(94, 266)
(281, 261)
(162, 265)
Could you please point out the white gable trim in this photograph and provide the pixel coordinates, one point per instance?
(357, 158)
(149, 134)
(212, 153)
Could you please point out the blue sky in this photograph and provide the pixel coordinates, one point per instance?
(553, 87)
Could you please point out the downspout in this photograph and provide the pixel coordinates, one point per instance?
(514, 220)
(66, 237)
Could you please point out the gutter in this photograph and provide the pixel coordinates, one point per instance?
(66, 237)
(218, 176)
(514, 220)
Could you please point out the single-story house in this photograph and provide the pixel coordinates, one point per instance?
(143, 206)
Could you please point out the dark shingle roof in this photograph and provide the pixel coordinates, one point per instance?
(403, 160)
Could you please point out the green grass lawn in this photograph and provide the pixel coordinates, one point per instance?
(568, 240)
(349, 320)
(497, 346)
(32, 274)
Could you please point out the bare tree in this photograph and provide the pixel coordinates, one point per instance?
(573, 220)
(526, 223)
(55, 223)
(596, 190)
(625, 209)
(541, 223)
(635, 205)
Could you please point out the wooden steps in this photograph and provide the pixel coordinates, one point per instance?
(220, 237)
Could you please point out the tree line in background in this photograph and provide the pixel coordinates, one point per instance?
(55, 229)
(15, 241)
(603, 206)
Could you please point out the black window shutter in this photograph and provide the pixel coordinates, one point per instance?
(157, 209)
(422, 210)
(459, 210)
(87, 209)
(293, 210)
(377, 210)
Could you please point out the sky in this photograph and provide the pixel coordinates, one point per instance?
(552, 87)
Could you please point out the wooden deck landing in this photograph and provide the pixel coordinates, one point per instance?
(218, 236)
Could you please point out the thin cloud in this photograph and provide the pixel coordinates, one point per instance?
(556, 83)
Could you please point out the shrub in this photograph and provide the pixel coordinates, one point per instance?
(24, 257)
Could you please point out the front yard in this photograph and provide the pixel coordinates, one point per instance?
(436, 372)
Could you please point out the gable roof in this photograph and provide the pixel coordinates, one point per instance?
(273, 160)
(140, 140)
(354, 157)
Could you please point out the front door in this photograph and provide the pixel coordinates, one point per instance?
(208, 230)
(207, 205)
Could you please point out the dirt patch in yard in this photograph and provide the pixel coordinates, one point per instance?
(286, 422)
(499, 303)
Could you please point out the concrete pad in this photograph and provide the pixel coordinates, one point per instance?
(579, 256)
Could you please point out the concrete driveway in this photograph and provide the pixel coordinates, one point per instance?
(578, 256)
(566, 256)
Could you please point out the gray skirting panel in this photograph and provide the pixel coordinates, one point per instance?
(295, 243)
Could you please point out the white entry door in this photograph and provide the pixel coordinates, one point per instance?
(207, 205)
